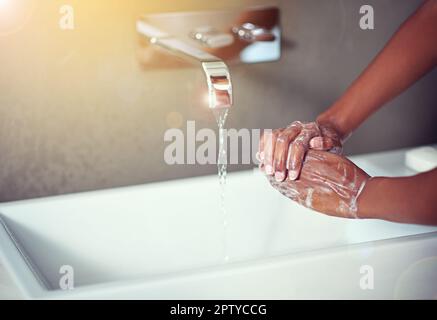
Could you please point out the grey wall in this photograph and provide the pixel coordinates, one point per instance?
(78, 113)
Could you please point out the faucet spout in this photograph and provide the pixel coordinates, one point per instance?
(216, 71)
(219, 84)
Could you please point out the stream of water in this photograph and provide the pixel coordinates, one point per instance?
(220, 115)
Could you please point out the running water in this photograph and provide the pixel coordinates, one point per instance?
(220, 115)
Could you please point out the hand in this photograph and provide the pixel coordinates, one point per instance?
(328, 183)
(282, 151)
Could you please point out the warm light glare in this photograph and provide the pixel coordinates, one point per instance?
(4, 3)
(207, 99)
(14, 15)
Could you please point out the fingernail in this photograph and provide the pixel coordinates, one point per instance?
(279, 176)
(293, 174)
(269, 169)
(316, 144)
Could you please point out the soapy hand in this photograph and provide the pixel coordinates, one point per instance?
(328, 183)
(282, 151)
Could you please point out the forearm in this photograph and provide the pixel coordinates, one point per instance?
(407, 199)
(410, 54)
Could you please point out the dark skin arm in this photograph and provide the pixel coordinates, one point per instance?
(407, 199)
(410, 54)
(334, 185)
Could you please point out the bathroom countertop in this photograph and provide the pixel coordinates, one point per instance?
(389, 163)
(8, 290)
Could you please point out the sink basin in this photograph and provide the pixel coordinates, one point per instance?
(170, 240)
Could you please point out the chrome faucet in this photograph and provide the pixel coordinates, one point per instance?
(252, 36)
(216, 71)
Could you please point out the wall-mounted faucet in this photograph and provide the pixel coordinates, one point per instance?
(211, 38)
(217, 73)
(219, 83)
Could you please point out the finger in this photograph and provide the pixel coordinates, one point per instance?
(321, 143)
(297, 150)
(326, 144)
(269, 149)
(296, 153)
(281, 151)
(337, 145)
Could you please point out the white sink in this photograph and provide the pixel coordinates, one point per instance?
(167, 241)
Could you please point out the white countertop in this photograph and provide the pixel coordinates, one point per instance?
(246, 243)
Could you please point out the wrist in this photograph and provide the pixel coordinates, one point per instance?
(335, 120)
(370, 200)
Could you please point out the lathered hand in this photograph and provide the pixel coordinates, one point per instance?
(282, 151)
(328, 183)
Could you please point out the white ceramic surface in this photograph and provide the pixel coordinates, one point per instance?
(167, 241)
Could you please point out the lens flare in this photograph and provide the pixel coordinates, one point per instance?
(4, 4)
(14, 15)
